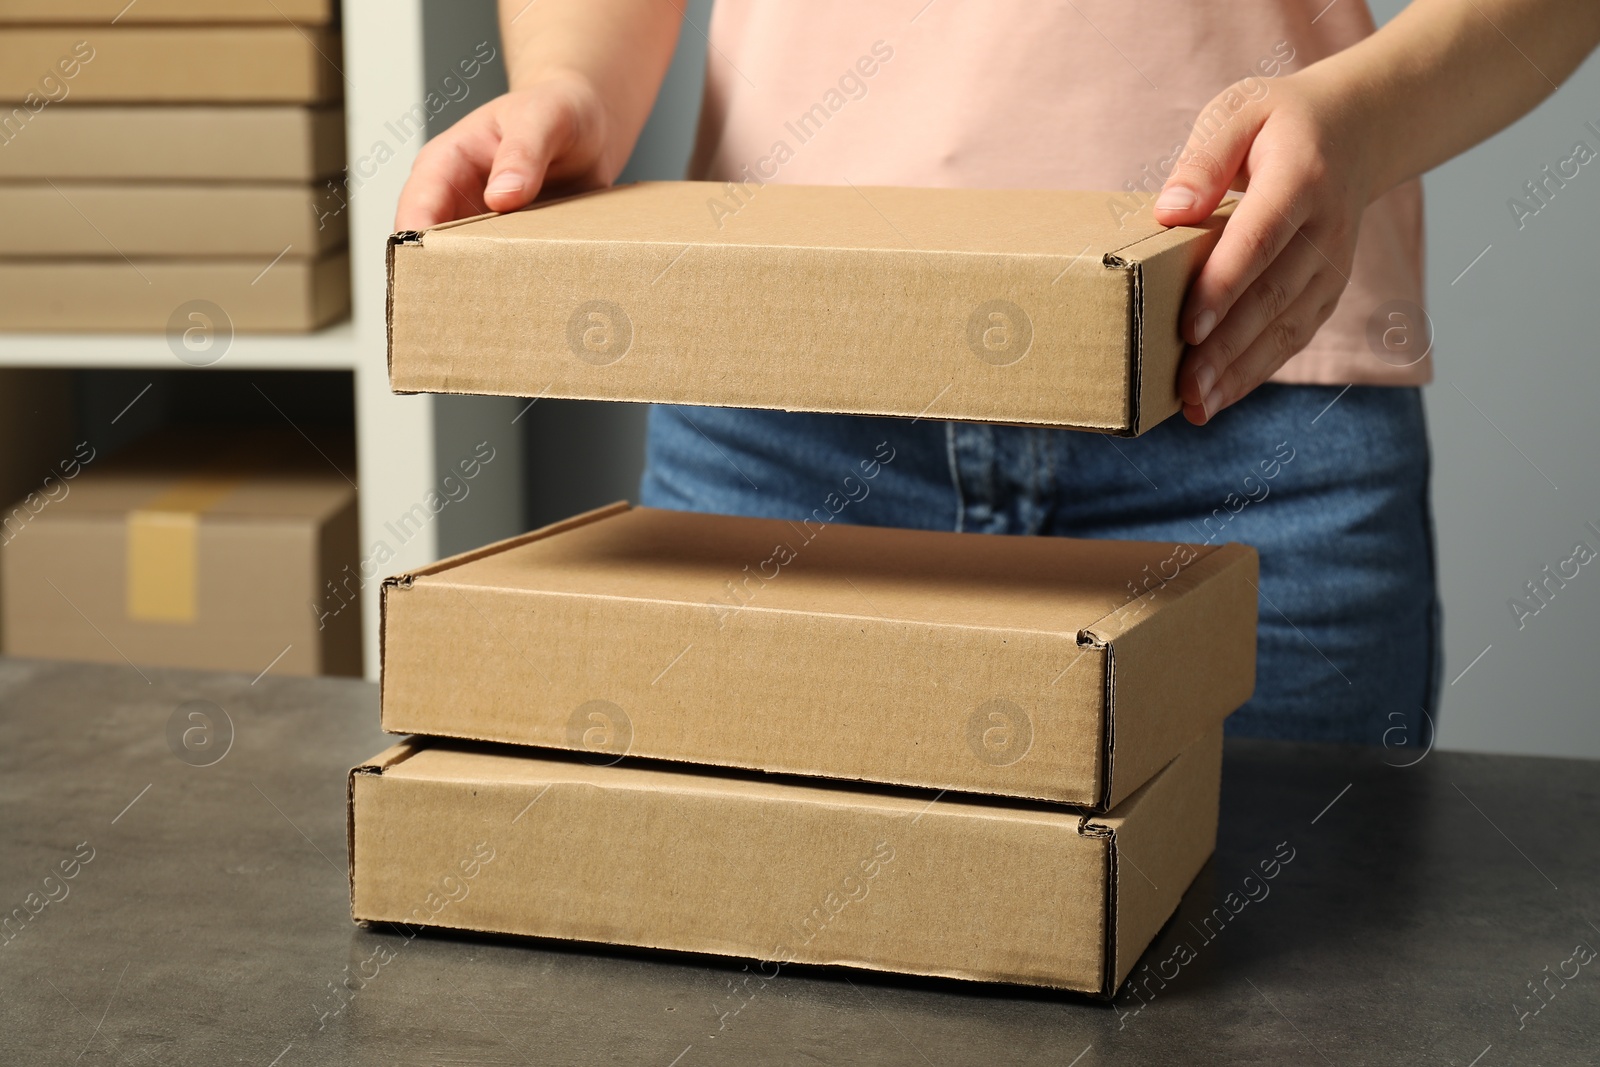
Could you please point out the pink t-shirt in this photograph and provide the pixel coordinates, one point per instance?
(1080, 94)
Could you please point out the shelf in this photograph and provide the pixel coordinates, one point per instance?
(400, 439)
(334, 348)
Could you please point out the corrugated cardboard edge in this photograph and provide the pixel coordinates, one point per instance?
(403, 237)
(399, 239)
(1171, 256)
(1164, 849)
(403, 581)
(1204, 595)
(418, 239)
(389, 757)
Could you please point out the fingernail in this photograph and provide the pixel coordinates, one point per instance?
(1212, 404)
(1176, 198)
(1204, 379)
(1204, 323)
(506, 182)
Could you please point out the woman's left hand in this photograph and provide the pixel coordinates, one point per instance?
(1300, 153)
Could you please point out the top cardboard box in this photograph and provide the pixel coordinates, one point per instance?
(120, 12)
(1019, 306)
(1034, 667)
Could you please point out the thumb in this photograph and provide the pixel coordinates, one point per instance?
(517, 171)
(530, 137)
(1210, 161)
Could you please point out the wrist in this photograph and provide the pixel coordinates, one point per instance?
(1358, 120)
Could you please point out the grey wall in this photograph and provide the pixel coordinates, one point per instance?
(1516, 446)
(1516, 443)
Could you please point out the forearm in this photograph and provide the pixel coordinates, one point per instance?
(620, 48)
(1444, 75)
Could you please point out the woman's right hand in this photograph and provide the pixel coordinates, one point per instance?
(498, 157)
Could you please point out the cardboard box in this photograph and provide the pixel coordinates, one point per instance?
(190, 144)
(277, 63)
(121, 12)
(209, 550)
(151, 295)
(781, 871)
(66, 219)
(1017, 306)
(1036, 667)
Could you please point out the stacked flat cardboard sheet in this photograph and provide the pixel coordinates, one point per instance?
(167, 153)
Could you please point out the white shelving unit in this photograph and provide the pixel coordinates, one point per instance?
(385, 76)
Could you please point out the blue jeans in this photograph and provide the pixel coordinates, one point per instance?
(1335, 499)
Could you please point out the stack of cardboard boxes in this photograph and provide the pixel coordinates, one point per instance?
(983, 757)
(165, 164)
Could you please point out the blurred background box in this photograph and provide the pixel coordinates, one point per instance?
(120, 12)
(53, 221)
(194, 548)
(274, 63)
(173, 143)
(157, 295)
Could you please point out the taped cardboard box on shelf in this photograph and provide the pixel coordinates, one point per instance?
(70, 219)
(783, 871)
(121, 12)
(278, 63)
(1010, 306)
(200, 549)
(154, 295)
(172, 143)
(1039, 667)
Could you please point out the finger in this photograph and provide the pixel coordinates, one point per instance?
(1283, 337)
(434, 193)
(530, 137)
(1268, 297)
(1216, 150)
(1261, 226)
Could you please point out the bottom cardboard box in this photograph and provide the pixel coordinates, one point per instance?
(166, 295)
(505, 840)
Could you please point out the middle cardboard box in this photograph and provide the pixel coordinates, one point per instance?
(1034, 667)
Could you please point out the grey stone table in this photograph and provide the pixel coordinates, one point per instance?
(1439, 913)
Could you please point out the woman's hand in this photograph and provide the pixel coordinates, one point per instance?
(1434, 81)
(555, 132)
(1300, 153)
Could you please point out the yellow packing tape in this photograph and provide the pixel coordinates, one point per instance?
(163, 550)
